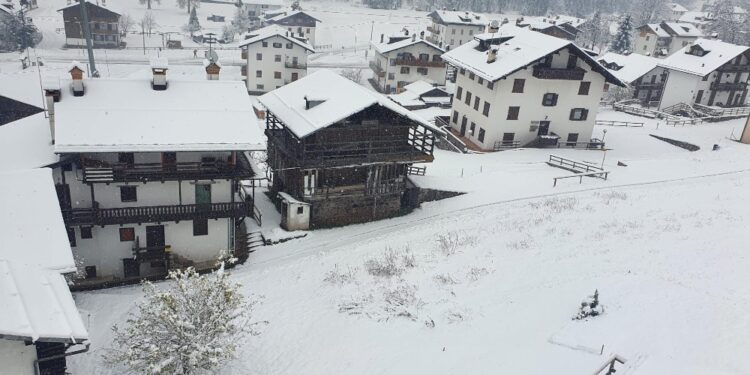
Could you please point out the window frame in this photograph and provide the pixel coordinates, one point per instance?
(514, 112)
(518, 86)
(585, 87)
(128, 193)
(127, 234)
(583, 117)
(552, 102)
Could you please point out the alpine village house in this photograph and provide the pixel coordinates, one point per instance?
(404, 59)
(104, 25)
(665, 38)
(340, 153)
(150, 169)
(451, 29)
(273, 57)
(297, 22)
(517, 87)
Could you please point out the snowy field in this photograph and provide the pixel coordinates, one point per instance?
(663, 240)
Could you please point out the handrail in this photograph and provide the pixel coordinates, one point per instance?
(619, 123)
(601, 174)
(100, 171)
(576, 165)
(148, 214)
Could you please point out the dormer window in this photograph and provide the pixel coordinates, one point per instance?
(697, 50)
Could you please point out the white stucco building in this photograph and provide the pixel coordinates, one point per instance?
(300, 23)
(518, 87)
(451, 29)
(405, 59)
(676, 11)
(256, 10)
(149, 170)
(274, 58)
(664, 39)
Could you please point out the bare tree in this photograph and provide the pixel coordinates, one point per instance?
(190, 4)
(148, 2)
(148, 23)
(126, 23)
(352, 74)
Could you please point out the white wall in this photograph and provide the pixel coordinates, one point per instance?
(645, 43)
(530, 101)
(435, 75)
(680, 88)
(304, 31)
(452, 36)
(16, 358)
(268, 64)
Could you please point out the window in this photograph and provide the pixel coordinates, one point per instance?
(579, 114)
(128, 194)
(453, 31)
(471, 76)
(391, 76)
(648, 37)
(549, 99)
(476, 103)
(127, 234)
(458, 93)
(572, 139)
(71, 236)
(583, 89)
(518, 85)
(86, 232)
(480, 81)
(705, 78)
(277, 45)
(471, 32)
(300, 210)
(455, 117)
(490, 85)
(295, 76)
(486, 109)
(259, 56)
(468, 98)
(508, 139)
(200, 227)
(265, 44)
(404, 70)
(277, 75)
(277, 58)
(462, 71)
(513, 113)
(259, 73)
(259, 87)
(424, 57)
(126, 158)
(422, 71)
(481, 135)
(471, 129)
(289, 45)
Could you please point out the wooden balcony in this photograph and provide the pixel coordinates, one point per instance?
(377, 69)
(649, 85)
(735, 68)
(728, 86)
(433, 30)
(155, 214)
(420, 63)
(543, 72)
(294, 65)
(95, 171)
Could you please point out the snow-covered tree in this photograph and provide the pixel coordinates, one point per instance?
(352, 74)
(241, 21)
(622, 41)
(193, 24)
(17, 33)
(590, 307)
(593, 32)
(126, 23)
(189, 4)
(649, 11)
(147, 23)
(190, 325)
(726, 25)
(148, 2)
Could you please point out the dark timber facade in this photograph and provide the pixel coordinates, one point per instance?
(352, 171)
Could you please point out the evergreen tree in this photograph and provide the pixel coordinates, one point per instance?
(725, 25)
(17, 33)
(623, 39)
(193, 24)
(241, 22)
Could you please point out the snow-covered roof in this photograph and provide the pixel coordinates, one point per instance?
(286, 13)
(683, 29)
(23, 87)
(37, 304)
(26, 143)
(31, 225)
(127, 116)
(696, 17)
(677, 7)
(107, 8)
(290, 199)
(159, 62)
(263, 2)
(388, 47)
(274, 30)
(340, 98)
(459, 18)
(632, 66)
(519, 47)
(5, 10)
(543, 22)
(719, 53)
(411, 96)
(75, 64)
(657, 29)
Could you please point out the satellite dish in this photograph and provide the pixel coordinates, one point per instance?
(213, 56)
(494, 23)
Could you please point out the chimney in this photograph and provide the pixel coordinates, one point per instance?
(159, 66)
(491, 55)
(381, 37)
(76, 74)
(52, 91)
(307, 103)
(421, 34)
(212, 69)
(413, 37)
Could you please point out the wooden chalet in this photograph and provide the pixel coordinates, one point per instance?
(105, 26)
(343, 150)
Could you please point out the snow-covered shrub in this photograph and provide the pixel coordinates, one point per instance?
(341, 276)
(402, 301)
(556, 204)
(608, 197)
(386, 266)
(352, 74)
(519, 245)
(191, 325)
(355, 305)
(408, 259)
(445, 279)
(590, 307)
(450, 243)
(476, 273)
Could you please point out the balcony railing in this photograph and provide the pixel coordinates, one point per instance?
(543, 72)
(418, 62)
(735, 68)
(154, 214)
(649, 85)
(728, 86)
(294, 65)
(377, 69)
(433, 30)
(97, 171)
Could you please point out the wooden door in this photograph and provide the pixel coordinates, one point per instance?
(155, 236)
(202, 194)
(169, 161)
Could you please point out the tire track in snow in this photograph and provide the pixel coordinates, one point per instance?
(401, 226)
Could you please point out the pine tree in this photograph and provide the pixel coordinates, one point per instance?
(725, 25)
(190, 326)
(17, 33)
(241, 21)
(623, 39)
(193, 24)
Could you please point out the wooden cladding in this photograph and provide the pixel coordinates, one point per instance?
(154, 214)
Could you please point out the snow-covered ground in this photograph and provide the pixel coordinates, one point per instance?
(663, 240)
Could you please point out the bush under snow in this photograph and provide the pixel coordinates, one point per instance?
(590, 307)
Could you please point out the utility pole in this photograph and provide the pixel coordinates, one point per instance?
(87, 34)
